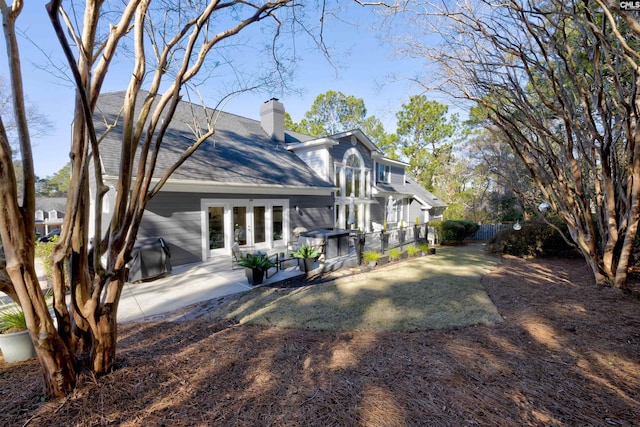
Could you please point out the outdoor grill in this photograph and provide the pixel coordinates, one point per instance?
(336, 242)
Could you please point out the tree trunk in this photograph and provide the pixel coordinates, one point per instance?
(103, 353)
(55, 359)
(105, 331)
(622, 270)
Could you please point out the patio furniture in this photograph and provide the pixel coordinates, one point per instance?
(285, 258)
(274, 259)
(238, 253)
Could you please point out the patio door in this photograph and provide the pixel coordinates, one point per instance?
(250, 224)
(258, 225)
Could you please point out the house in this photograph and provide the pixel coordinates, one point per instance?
(254, 183)
(381, 188)
(49, 214)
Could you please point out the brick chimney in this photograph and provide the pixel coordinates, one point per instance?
(272, 119)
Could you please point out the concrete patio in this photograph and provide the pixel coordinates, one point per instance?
(187, 285)
(196, 283)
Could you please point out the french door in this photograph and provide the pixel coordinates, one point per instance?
(259, 224)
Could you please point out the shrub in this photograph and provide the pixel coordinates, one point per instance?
(256, 261)
(424, 247)
(44, 250)
(305, 251)
(12, 318)
(371, 256)
(452, 231)
(535, 239)
(394, 253)
(412, 250)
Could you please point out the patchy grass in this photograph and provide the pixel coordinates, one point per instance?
(433, 292)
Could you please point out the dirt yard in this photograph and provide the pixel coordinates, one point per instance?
(567, 353)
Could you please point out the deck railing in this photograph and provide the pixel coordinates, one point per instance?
(382, 241)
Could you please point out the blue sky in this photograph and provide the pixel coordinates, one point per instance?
(367, 69)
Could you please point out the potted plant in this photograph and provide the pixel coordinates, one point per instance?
(394, 254)
(15, 341)
(402, 233)
(371, 257)
(308, 256)
(255, 265)
(424, 248)
(412, 250)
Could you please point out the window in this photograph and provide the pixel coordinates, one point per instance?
(240, 225)
(384, 173)
(259, 224)
(216, 227)
(367, 184)
(352, 178)
(277, 222)
(352, 174)
(348, 181)
(40, 215)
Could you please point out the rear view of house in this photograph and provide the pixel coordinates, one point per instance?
(255, 183)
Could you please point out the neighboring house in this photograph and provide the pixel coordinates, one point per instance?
(49, 214)
(254, 183)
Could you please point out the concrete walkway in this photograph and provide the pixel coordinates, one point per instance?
(188, 285)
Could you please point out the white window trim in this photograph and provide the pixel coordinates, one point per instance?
(227, 205)
(387, 173)
(365, 176)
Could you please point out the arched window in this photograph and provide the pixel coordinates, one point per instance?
(353, 174)
(352, 177)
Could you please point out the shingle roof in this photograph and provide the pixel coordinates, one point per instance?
(412, 188)
(424, 195)
(239, 151)
(47, 204)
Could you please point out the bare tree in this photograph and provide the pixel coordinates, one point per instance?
(39, 124)
(169, 42)
(559, 81)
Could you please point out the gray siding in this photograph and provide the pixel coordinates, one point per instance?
(397, 175)
(378, 212)
(337, 152)
(314, 212)
(176, 218)
(416, 211)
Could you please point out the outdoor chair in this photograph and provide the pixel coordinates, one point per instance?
(270, 272)
(236, 256)
(376, 227)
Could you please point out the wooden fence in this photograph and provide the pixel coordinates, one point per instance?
(486, 231)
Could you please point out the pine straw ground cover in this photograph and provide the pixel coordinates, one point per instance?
(567, 353)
